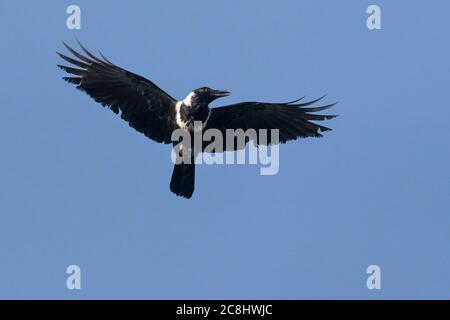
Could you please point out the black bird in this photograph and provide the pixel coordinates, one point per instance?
(153, 112)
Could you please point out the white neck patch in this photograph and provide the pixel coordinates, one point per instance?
(180, 122)
(188, 100)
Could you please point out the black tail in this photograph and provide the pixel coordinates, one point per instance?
(183, 180)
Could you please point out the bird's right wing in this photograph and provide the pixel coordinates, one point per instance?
(292, 119)
(146, 107)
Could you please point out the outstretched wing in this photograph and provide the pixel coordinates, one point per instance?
(146, 108)
(292, 119)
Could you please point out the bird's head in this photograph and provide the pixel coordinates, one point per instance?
(204, 95)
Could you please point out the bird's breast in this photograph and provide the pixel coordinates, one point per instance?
(201, 114)
(187, 115)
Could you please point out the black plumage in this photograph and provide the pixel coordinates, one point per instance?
(292, 119)
(153, 112)
(147, 108)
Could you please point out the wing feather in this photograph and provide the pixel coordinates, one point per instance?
(146, 107)
(292, 119)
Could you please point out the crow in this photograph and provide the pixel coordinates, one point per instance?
(153, 112)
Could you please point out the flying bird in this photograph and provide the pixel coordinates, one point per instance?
(156, 114)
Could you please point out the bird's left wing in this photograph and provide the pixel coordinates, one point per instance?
(146, 107)
(292, 119)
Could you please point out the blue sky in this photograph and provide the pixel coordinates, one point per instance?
(78, 186)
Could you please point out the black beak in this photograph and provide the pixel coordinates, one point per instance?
(219, 93)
